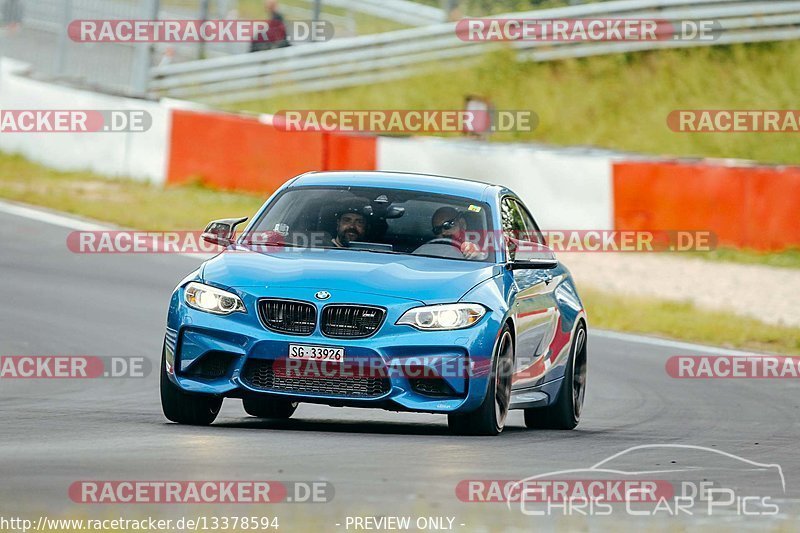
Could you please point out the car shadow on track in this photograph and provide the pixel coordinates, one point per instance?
(338, 426)
(360, 427)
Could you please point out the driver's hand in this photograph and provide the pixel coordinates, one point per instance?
(471, 251)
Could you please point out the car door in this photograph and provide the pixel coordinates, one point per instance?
(534, 306)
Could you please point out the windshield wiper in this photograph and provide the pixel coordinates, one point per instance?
(270, 243)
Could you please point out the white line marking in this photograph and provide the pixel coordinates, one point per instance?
(76, 224)
(50, 218)
(666, 343)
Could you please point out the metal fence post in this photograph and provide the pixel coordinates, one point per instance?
(204, 10)
(60, 68)
(317, 9)
(143, 56)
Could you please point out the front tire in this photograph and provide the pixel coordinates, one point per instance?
(565, 413)
(490, 418)
(269, 408)
(184, 408)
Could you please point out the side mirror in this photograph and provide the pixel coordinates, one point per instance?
(531, 256)
(222, 232)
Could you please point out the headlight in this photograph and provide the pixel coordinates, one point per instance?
(212, 300)
(443, 317)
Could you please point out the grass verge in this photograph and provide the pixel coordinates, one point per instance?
(619, 102)
(785, 259)
(682, 320)
(125, 203)
(138, 205)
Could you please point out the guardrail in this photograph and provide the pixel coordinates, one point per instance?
(382, 57)
(402, 11)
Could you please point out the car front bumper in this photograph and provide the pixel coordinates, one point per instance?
(426, 371)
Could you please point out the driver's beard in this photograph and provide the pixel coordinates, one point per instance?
(345, 239)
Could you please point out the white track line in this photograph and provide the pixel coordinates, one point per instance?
(49, 217)
(689, 347)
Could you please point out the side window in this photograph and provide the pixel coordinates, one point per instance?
(532, 230)
(513, 223)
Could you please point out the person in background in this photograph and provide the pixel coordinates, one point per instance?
(277, 36)
(482, 112)
(453, 11)
(168, 57)
(11, 15)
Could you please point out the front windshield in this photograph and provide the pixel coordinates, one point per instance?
(376, 220)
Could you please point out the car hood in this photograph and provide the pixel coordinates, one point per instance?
(424, 279)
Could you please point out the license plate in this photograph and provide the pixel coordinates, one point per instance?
(316, 353)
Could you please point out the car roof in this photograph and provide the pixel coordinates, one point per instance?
(397, 180)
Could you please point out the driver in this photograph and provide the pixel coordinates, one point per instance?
(351, 225)
(450, 227)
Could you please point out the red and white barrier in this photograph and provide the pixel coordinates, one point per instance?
(564, 189)
(137, 155)
(744, 205)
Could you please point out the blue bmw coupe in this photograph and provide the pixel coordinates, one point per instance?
(405, 292)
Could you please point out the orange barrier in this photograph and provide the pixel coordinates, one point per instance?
(238, 153)
(747, 207)
(350, 152)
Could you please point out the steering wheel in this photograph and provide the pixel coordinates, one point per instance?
(446, 240)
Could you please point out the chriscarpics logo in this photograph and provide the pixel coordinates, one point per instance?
(648, 480)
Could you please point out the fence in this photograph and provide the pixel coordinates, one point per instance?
(382, 57)
(39, 38)
(35, 32)
(401, 11)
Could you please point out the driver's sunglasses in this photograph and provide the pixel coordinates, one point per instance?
(446, 225)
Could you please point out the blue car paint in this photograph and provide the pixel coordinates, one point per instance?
(541, 307)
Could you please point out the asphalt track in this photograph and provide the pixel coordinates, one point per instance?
(55, 432)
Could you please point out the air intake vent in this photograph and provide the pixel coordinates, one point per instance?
(288, 316)
(212, 365)
(264, 375)
(351, 321)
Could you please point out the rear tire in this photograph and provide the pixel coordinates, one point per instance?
(185, 408)
(490, 418)
(565, 413)
(269, 408)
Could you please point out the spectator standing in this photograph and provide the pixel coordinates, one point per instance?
(277, 36)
